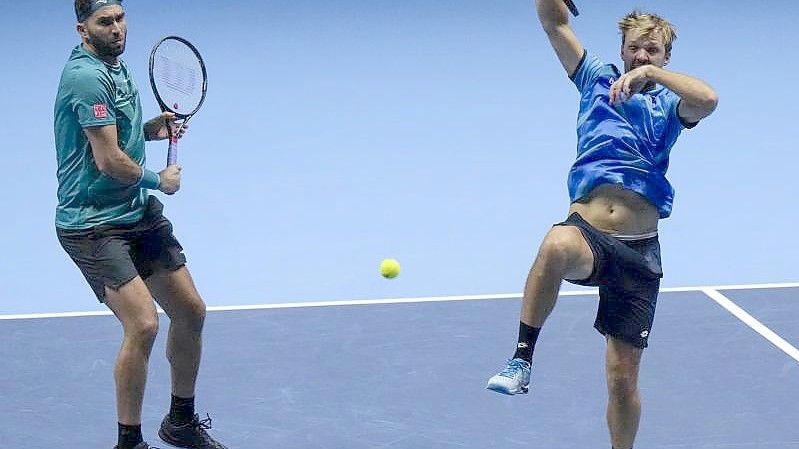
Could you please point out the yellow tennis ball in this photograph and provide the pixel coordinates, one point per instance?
(389, 268)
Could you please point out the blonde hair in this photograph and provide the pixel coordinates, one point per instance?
(646, 24)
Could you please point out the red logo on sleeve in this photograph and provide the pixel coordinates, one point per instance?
(100, 111)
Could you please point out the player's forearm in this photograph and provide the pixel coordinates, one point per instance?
(691, 90)
(119, 166)
(552, 14)
(151, 128)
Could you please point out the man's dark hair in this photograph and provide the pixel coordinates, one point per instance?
(83, 8)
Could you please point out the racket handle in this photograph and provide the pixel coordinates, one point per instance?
(172, 152)
(572, 7)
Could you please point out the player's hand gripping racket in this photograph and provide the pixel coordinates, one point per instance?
(572, 7)
(179, 80)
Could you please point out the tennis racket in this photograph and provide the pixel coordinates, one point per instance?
(179, 81)
(572, 7)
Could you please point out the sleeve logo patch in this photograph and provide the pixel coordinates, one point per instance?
(100, 111)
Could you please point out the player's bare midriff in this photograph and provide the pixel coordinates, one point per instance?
(615, 210)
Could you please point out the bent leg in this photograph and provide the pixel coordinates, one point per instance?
(174, 290)
(564, 254)
(133, 306)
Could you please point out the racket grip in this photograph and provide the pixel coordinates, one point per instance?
(172, 152)
(572, 7)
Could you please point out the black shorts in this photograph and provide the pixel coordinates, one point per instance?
(113, 255)
(628, 274)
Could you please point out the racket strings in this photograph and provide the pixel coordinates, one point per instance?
(177, 74)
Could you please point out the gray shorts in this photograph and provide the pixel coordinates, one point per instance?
(113, 255)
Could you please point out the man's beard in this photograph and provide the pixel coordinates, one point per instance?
(107, 49)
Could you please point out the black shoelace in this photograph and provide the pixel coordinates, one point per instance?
(202, 424)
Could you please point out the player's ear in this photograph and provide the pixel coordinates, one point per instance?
(81, 30)
(667, 58)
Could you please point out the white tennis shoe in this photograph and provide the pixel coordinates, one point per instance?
(514, 379)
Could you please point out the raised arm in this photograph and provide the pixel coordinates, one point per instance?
(554, 17)
(698, 99)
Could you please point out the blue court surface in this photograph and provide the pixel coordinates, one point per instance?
(722, 371)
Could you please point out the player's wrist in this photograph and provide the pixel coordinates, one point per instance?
(651, 72)
(149, 179)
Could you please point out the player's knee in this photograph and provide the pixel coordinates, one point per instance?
(559, 245)
(198, 312)
(143, 330)
(622, 384)
(194, 314)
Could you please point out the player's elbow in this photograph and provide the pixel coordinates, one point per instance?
(106, 161)
(705, 103)
(710, 100)
(103, 163)
(710, 103)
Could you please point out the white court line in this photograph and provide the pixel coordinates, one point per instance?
(291, 305)
(752, 322)
(732, 287)
(29, 316)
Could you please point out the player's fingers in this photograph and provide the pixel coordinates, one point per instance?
(626, 89)
(612, 93)
(614, 90)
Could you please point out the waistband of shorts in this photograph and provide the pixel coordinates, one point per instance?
(634, 237)
(575, 217)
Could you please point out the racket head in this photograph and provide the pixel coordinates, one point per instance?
(178, 76)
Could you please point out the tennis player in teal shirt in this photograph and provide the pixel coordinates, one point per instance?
(115, 231)
(626, 126)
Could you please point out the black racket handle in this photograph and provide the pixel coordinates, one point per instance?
(572, 7)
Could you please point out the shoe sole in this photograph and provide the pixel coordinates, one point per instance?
(166, 439)
(499, 389)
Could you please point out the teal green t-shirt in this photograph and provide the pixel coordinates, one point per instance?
(92, 93)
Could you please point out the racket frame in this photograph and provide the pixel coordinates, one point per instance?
(172, 152)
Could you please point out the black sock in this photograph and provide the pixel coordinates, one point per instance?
(527, 337)
(129, 436)
(182, 410)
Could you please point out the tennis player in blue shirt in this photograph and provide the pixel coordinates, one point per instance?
(626, 126)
